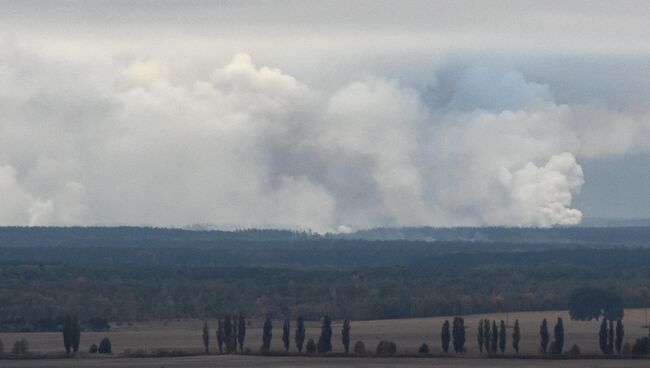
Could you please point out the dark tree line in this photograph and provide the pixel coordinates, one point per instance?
(323, 346)
(38, 290)
(589, 303)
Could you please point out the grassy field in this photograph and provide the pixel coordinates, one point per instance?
(408, 334)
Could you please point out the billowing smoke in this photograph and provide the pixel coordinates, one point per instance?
(112, 142)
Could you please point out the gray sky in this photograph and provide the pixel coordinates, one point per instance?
(323, 114)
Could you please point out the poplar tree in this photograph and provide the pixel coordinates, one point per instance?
(220, 336)
(620, 332)
(559, 336)
(494, 342)
(285, 334)
(486, 335)
(76, 334)
(300, 334)
(610, 338)
(516, 336)
(602, 336)
(479, 335)
(229, 337)
(325, 340)
(71, 334)
(502, 337)
(267, 334)
(67, 334)
(345, 336)
(544, 336)
(458, 333)
(206, 337)
(444, 336)
(241, 333)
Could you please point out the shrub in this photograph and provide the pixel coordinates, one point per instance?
(359, 347)
(575, 350)
(93, 349)
(386, 348)
(105, 346)
(424, 349)
(311, 346)
(21, 347)
(627, 348)
(553, 348)
(641, 346)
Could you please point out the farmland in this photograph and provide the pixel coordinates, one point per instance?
(408, 334)
(156, 287)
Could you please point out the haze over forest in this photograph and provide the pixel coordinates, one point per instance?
(331, 116)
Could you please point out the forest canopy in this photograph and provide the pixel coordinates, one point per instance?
(127, 274)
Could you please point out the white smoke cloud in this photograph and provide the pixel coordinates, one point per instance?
(96, 141)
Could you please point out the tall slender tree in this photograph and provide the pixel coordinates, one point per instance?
(486, 335)
(67, 334)
(516, 336)
(325, 339)
(235, 332)
(71, 334)
(241, 333)
(220, 336)
(286, 334)
(206, 337)
(76, 334)
(494, 341)
(610, 338)
(267, 334)
(559, 336)
(544, 336)
(345, 336)
(502, 337)
(229, 333)
(479, 336)
(602, 336)
(620, 333)
(300, 334)
(445, 336)
(458, 333)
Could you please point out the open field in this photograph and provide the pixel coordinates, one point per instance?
(408, 334)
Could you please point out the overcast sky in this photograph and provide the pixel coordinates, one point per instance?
(330, 115)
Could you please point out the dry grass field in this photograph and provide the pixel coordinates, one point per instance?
(408, 334)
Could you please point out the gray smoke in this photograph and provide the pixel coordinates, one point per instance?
(108, 140)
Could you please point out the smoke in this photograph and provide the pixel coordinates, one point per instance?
(115, 141)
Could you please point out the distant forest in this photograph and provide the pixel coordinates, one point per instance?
(126, 274)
